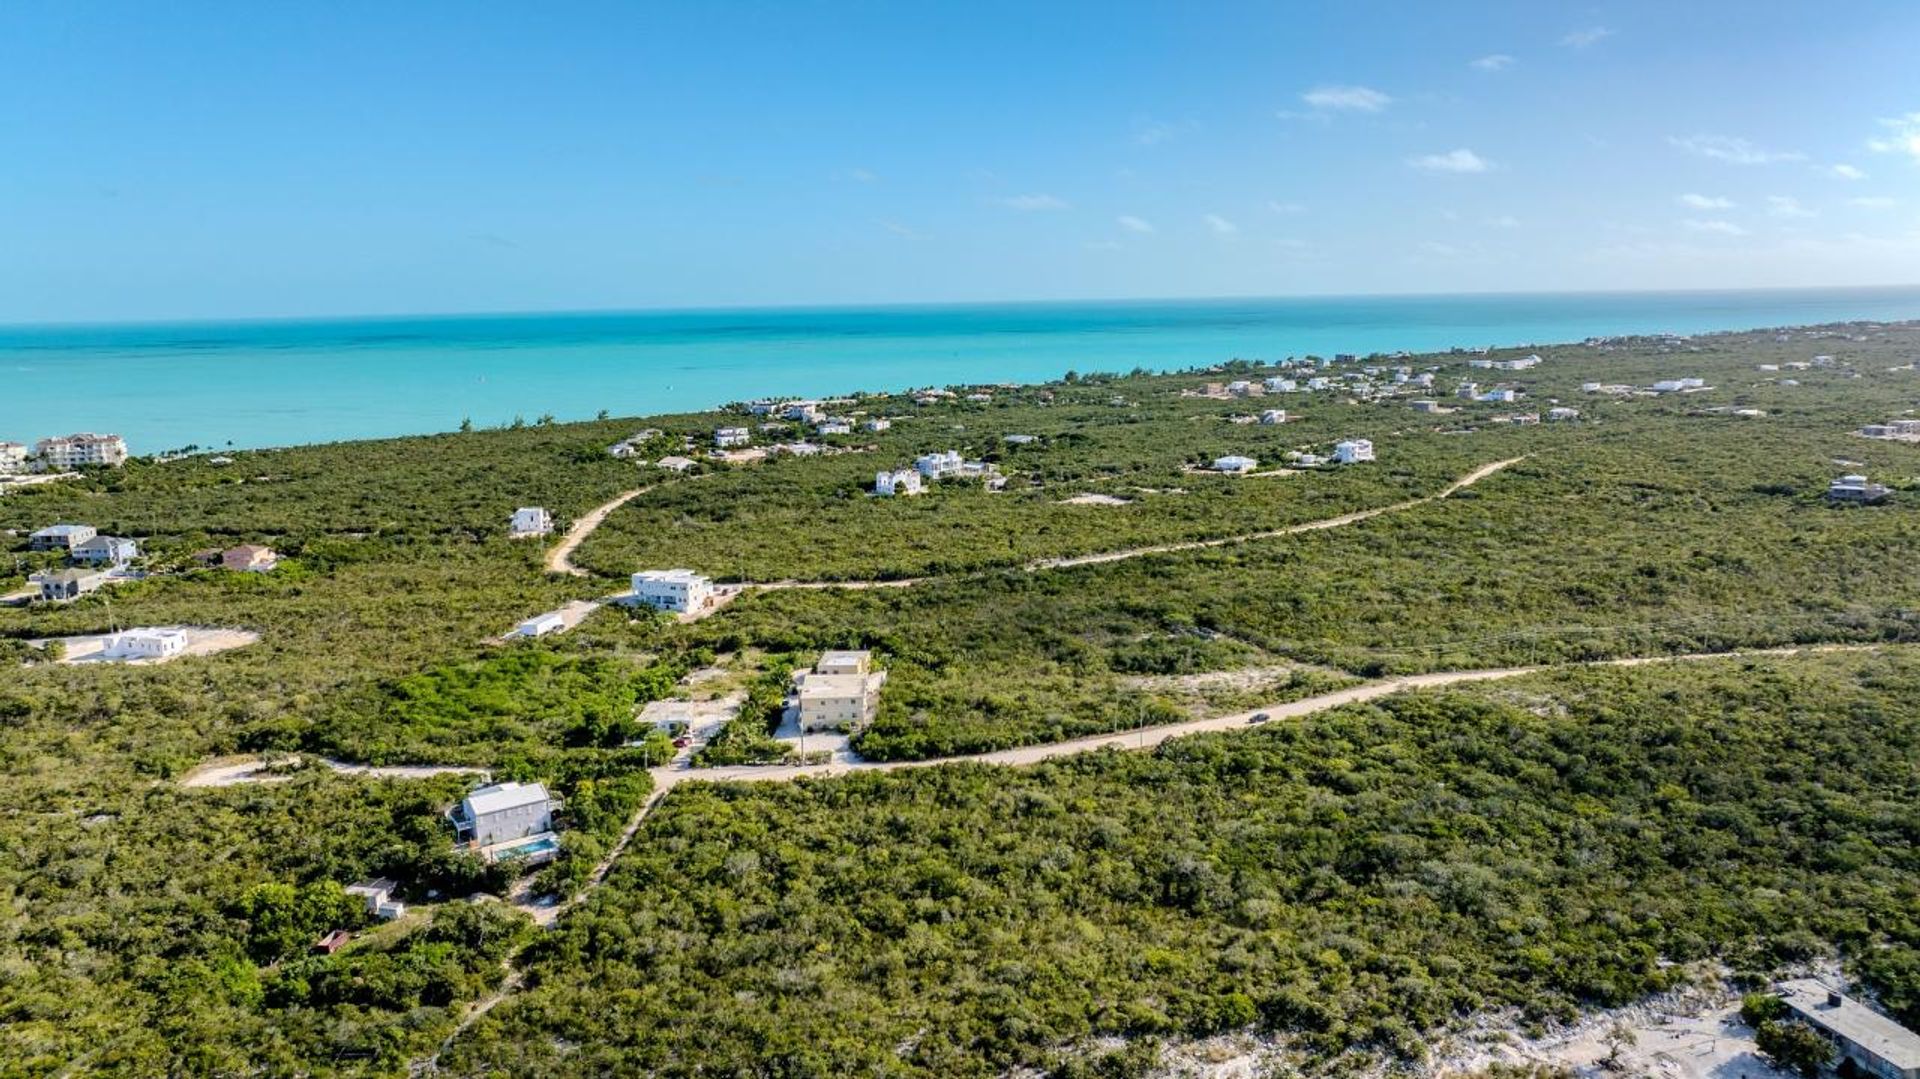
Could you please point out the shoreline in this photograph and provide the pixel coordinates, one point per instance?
(288, 385)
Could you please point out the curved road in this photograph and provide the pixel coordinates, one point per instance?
(666, 778)
(559, 560)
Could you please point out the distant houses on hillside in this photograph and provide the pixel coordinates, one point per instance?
(63, 454)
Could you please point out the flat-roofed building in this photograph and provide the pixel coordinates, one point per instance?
(903, 482)
(530, 521)
(1353, 451)
(1874, 1043)
(840, 692)
(1234, 463)
(678, 590)
(83, 448)
(145, 644)
(729, 437)
(13, 458)
(1855, 488)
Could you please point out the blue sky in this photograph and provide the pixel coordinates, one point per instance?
(189, 160)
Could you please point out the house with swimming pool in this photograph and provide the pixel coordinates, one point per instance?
(505, 822)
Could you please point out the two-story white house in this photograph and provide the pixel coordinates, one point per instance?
(903, 482)
(503, 812)
(530, 521)
(935, 466)
(1353, 451)
(679, 590)
(729, 437)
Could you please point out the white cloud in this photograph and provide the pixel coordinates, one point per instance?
(1279, 207)
(1504, 221)
(1498, 61)
(1221, 226)
(1150, 132)
(1433, 247)
(902, 231)
(1134, 224)
(1592, 35)
(1786, 206)
(862, 176)
(1729, 149)
(1451, 161)
(1705, 202)
(1874, 202)
(1715, 227)
(1903, 136)
(1346, 99)
(1844, 172)
(1029, 203)
(1103, 245)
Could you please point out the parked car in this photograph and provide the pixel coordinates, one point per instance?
(1258, 717)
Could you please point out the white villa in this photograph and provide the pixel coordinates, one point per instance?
(904, 482)
(1353, 451)
(1235, 463)
(1280, 385)
(84, 448)
(1679, 385)
(530, 521)
(1273, 416)
(833, 427)
(936, 466)
(145, 644)
(728, 437)
(679, 590)
(13, 458)
(675, 463)
(841, 692)
(1562, 415)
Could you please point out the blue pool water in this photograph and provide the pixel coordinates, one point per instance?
(268, 383)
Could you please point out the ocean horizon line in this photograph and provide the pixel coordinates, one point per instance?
(259, 383)
(928, 305)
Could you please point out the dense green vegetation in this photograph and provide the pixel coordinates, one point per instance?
(1354, 881)
(153, 929)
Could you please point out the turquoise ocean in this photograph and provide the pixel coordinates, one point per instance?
(274, 383)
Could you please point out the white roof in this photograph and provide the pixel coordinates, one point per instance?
(830, 686)
(502, 796)
(669, 575)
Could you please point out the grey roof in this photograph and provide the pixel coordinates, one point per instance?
(504, 796)
(64, 530)
(1854, 1022)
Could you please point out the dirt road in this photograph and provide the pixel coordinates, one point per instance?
(560, 559)
(1465, 481)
